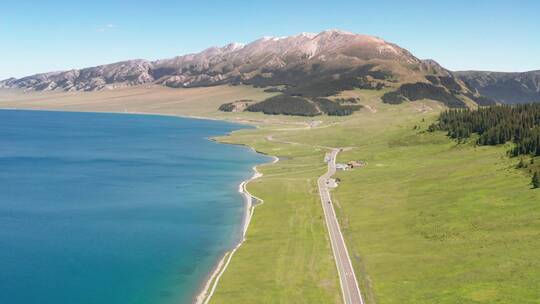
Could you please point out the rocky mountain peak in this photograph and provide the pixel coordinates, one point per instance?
(269, 60)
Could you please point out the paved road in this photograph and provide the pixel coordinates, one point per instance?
(349, 284)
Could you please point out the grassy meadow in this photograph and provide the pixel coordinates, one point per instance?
(286, 257)
(428, 220)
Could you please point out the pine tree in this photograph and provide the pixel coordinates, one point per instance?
(496, 125)
(536, 180)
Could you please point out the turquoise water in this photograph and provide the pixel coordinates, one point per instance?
(113, 208)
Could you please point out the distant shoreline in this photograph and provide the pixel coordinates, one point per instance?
(133, 113)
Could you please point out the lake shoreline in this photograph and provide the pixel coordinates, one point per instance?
(212, 281)
(207, 287)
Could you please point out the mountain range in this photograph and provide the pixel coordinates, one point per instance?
(508, 88)
(306, 65)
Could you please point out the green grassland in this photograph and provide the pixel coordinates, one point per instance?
(286, 257)
(428, 220)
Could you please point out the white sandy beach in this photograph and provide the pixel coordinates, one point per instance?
(213, 280)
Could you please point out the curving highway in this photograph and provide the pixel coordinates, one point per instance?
(349, 284)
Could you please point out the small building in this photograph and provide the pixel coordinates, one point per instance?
(355, 164)
(342, 167)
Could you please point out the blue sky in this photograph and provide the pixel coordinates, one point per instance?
(39, 36)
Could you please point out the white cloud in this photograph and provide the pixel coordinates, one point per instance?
(106, 27)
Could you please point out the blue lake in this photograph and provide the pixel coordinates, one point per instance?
(114, 208)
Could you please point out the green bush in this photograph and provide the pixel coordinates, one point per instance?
(227, 107)
(335, 109)
(422, 90)
(286, 105)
